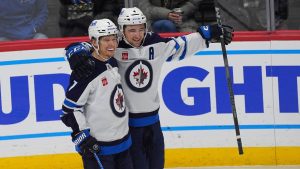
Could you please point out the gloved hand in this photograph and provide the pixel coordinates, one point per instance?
(85, 143)
(80, 59)
(212, 33)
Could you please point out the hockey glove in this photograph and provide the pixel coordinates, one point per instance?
(80, 59)
(85, 144)
(212, 33)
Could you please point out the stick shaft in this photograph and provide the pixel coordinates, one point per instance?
(98, 161)
(229, 82)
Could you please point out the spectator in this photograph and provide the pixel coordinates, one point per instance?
(206, 13)
(257, 11)
(251, 15)
(162, 18)
(281, 13)
(235, 13)
(22, 19)
(76, 15)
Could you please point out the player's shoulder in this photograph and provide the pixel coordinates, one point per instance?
(83, 80)
(113, 62)
(99, 68)
(153, 38)
(86, 45)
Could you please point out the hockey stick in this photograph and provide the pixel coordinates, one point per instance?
(229, 82)
(98, 161)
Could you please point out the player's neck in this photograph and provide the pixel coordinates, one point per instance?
(100, 57)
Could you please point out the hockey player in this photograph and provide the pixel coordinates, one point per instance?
(140, 56)
(94, 107)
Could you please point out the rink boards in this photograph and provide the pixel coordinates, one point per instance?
(195, 110)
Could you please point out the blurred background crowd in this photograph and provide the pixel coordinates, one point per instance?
(39, 19)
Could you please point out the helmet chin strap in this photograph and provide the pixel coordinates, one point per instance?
(145, 34)
(97, 51)
(126, 41)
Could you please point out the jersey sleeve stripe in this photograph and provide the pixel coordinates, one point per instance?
(177, 46)
(184, 50)
(170, 58)
(67, 110)
(70, 104)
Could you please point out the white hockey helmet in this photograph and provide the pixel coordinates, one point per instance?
(131, 16)
(102, 27)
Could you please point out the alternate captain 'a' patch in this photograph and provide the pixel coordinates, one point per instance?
(139, 76)
(117, 101)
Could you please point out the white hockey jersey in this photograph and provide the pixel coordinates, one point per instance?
(140, 71)
(97, 103)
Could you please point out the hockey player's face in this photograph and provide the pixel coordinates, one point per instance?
(107, 46)
(134, 34)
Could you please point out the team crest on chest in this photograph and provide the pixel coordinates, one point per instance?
(139, 76)
(117, 101)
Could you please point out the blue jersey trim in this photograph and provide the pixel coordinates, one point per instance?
(144, 121)
(176, 45)
(170, 58)
(108, 150)
(184, 50)
(70, 104)
(176, 48)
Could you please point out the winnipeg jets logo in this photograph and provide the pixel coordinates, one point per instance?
(117, 101)
(139, 76)
(120, 100)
